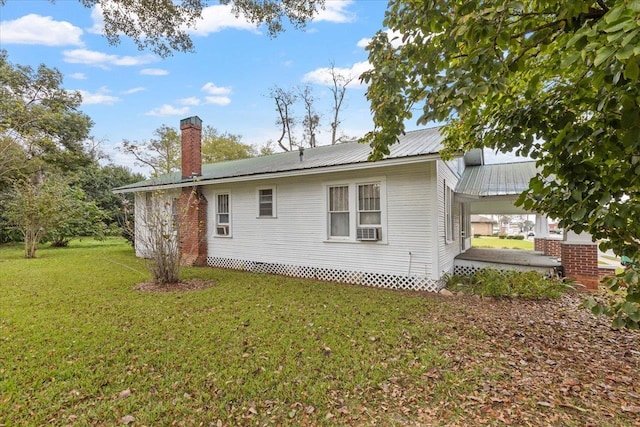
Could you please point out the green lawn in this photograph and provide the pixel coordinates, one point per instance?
(498, 243)
(79, 346)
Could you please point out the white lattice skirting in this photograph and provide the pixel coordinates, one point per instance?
(389, 281)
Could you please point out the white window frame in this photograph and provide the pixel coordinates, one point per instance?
(449, 219)
(360, 210)
(353, 210)
(273, 201)
(216, 213)
(348, 211)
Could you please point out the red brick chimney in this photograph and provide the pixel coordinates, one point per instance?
(191, 140)
(193, 204)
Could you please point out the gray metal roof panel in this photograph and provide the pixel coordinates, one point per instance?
(496, 180)
(414, 143)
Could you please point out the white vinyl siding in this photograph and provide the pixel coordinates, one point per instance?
(266, 202)
(153, 207)
(408, 205)
(339, 211)
(448, 225)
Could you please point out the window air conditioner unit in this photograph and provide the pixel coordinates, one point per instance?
(222, 230)
(369, 234)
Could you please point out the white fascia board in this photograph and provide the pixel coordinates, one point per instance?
(287, 174)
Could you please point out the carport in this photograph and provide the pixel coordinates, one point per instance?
(493, 189)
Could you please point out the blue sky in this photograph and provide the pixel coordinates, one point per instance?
(129, 93)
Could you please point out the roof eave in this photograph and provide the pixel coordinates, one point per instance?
(283, 174)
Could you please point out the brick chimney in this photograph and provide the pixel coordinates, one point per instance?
(191, 140)
(192, 203)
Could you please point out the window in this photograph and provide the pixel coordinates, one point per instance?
(266, 203)
(339, 211)
(448, 213)
(223, 214)
(369, 213)
(356, 211)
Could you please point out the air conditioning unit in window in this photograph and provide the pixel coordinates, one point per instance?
(369, 234)
(222, 230)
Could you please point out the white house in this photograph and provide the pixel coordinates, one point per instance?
(325, 212)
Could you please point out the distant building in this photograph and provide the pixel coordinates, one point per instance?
(482, 225)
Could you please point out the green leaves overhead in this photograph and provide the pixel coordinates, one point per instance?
(40, 118)
(556, 81)
(163, 25)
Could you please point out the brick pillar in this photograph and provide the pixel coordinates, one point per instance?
(193, 227)
(580, 261)
(191, 140)
(540, 244)
(553, 248)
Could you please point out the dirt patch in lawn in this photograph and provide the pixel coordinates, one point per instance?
(184, 286)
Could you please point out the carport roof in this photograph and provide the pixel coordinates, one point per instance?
(496, 180)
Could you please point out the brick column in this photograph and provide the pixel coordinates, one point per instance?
(540, 244)
(580, 261)
(193, 227)
(554, 248)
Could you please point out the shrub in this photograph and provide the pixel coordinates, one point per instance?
(519, 237)
(502, 236)
(477, 236)
(499, 283)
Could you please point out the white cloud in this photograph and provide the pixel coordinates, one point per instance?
(154, 72)
(103, 60)
(212, 89)
(134, 90)
(216, 18)
(99, 97)
(217, 94)
(335, 11)
(98, 20)
(40, 30)
(218, 100)
(394, 37)
(363, 43)
(322, 76)
(189, 101)
(167, 110)
(78, 76)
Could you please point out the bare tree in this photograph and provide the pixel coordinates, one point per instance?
(157, 236)
(311, 120)
(284, 100)
(338, 90)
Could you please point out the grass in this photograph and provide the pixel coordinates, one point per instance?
(79, 346)
(511, 284)
(497, 243)
(75, 335)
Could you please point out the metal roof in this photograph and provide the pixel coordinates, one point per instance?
(496, 180)
(414, 143)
